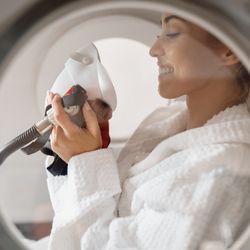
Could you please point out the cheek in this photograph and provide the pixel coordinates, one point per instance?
(171, 86)
(195, 64)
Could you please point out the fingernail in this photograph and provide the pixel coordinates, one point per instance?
(57, 97)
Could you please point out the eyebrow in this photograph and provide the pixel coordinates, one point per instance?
(168, 18)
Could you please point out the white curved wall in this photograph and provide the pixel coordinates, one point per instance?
(31, 74)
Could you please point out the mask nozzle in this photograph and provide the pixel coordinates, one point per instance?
(43, 126)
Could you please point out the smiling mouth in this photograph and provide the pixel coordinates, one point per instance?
(166, 70)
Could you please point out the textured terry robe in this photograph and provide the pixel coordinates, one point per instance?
(170, 188)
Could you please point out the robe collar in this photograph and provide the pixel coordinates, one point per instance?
(231, 125)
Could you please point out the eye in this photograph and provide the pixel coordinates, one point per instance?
(172, 35)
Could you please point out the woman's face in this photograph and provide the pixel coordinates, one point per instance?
(186, 63)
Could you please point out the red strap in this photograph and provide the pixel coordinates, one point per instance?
(69, 92)
(105, 134)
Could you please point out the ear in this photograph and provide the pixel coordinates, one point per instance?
(229, 58)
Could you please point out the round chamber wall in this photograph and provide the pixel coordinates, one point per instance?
(123, 32)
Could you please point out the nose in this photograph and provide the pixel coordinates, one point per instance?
(156, 50)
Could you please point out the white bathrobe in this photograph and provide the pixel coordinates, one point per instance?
(169, 188)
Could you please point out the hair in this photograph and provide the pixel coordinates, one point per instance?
(242, 76)
(243, 79)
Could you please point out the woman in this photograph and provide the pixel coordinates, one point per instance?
(182, 181)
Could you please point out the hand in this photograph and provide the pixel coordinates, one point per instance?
(67, 139)
(102, 110)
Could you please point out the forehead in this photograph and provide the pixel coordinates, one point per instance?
(166, 18)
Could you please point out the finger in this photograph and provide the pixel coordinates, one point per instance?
(56, 137)
(49, 97)
(53, 141)
(61, 117)
(91, 120)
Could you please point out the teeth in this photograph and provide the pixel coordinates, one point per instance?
(167, 70)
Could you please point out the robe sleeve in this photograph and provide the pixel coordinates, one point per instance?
(190, 217)
(84, 200)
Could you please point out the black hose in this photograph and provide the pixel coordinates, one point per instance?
(18, 142)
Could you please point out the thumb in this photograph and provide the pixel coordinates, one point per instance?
(61, 116)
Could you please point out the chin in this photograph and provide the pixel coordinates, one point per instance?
(172, 89)
(167, 93)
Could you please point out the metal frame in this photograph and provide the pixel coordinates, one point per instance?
(227, 25)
